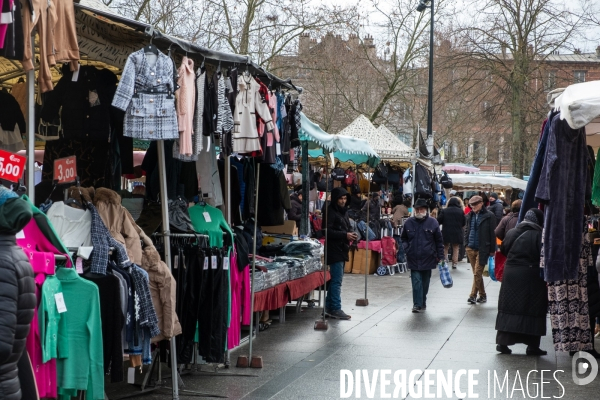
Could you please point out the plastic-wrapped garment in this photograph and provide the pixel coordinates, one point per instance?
(579, 104)
(302, 247)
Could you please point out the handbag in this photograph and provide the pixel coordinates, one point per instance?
(445, 276)
(492, 265)
(500, 260)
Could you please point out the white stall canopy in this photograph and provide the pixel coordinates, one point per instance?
(485, 182)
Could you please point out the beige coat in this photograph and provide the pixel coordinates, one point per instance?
(119, 222)
(163, 289)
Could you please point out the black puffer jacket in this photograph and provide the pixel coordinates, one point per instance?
(452, 219)
(338, 226)
(18, 296)
(295, 213)
(523, 300)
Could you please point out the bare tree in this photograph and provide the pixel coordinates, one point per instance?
(509, 41)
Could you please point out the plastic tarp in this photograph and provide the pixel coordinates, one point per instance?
(579, 104)
(344, 148)
(473, 181)
(459, 167)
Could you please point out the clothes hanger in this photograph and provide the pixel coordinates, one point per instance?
(201, 198)
(150, 48)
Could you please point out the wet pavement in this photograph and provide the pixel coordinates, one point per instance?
(301, 363)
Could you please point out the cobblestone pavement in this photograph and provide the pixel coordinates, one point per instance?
(301, 363)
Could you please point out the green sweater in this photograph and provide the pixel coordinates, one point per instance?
(84, 369)
(53, 328)
(214, 229)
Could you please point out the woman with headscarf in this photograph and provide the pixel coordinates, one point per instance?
(523, 300)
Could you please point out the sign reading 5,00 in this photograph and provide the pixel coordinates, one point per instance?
(65, 169)
(11, 166)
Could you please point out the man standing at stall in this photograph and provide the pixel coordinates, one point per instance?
(339, 236)
(481, 244)
(424, 247)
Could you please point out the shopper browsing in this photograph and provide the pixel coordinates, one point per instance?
(481, 244)
(339, 236)
(452, 219)
(424, 248)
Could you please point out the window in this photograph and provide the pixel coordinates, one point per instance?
(580, 76)
(550, 83)
(487, 110)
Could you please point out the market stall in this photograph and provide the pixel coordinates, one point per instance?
(111, 48)
(486, 182)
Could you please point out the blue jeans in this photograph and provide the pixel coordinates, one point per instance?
(333, 301)
(420, 285)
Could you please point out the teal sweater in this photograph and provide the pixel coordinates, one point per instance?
(84, 368)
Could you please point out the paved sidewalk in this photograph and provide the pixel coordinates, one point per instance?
(301, 363)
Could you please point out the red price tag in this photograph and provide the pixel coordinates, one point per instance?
(65, 169)
(11, 166)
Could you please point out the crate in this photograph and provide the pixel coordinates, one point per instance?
(348, 265)
(360, 260)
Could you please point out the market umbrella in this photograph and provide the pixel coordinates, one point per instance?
(344, 149)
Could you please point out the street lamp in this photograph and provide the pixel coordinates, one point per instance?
(423, 5)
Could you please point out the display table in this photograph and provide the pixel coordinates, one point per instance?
(280, 295)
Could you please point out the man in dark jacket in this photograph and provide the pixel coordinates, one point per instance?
(295, 213)
(452, 219)
(18, 292)
(424, 248)
(481, 244)
(496, 207)
(339, 236)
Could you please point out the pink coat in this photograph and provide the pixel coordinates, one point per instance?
(185, 105)
(41, 253)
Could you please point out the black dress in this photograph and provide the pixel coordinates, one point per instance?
(523, 300)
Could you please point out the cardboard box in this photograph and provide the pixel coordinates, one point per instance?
(360, 261)
(288, 228)
(348, 265)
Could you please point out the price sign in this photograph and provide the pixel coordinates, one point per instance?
(65, 169)
(11, 166)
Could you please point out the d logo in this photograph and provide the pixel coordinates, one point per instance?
(583, 364)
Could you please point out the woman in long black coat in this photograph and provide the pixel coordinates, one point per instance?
(523, 298)
(452, 220)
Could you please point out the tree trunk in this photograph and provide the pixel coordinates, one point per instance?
(517, 131)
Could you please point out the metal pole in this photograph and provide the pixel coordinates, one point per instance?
(31, 132)
(228, 190)
(368, 250)
(321, 324)
(430, 92)
(303, 228)
(253, 261)
(164, 204)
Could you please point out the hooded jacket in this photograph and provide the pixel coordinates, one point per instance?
(452, 219)
(338, 226)
(423, 243)
(18, 295)
(295, 213)
(487, 238)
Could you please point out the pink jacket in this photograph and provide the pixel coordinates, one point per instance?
(40, 252)
(185, 105)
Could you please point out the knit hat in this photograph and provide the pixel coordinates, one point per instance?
(494, 195)
(536, 216)
(6, 194)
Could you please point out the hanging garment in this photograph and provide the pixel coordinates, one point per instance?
(163, 289)
(102, 242)
(19, 91)
(11, 141)
(536, 170)
(65, 45)
(596, 184)
(74, 226)
(185, 105)
(34, 16)
(123, 290)
(240, 299)
(130, 316)
(13, 42)
(565, 165)
(232, 88)
(148, 318)
(119, 222)
(146, 94)
(273, 197)
(11, 114)
(112, 323)
(82, 102)
(225, 116)
(236, 195)
(93, 160)
(209, 174)
(173, 170)
(248, 103)
(208, 220)
(568, 308)
(199, 111)
(84, 370)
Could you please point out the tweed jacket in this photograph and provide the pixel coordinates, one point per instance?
(145, 93)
